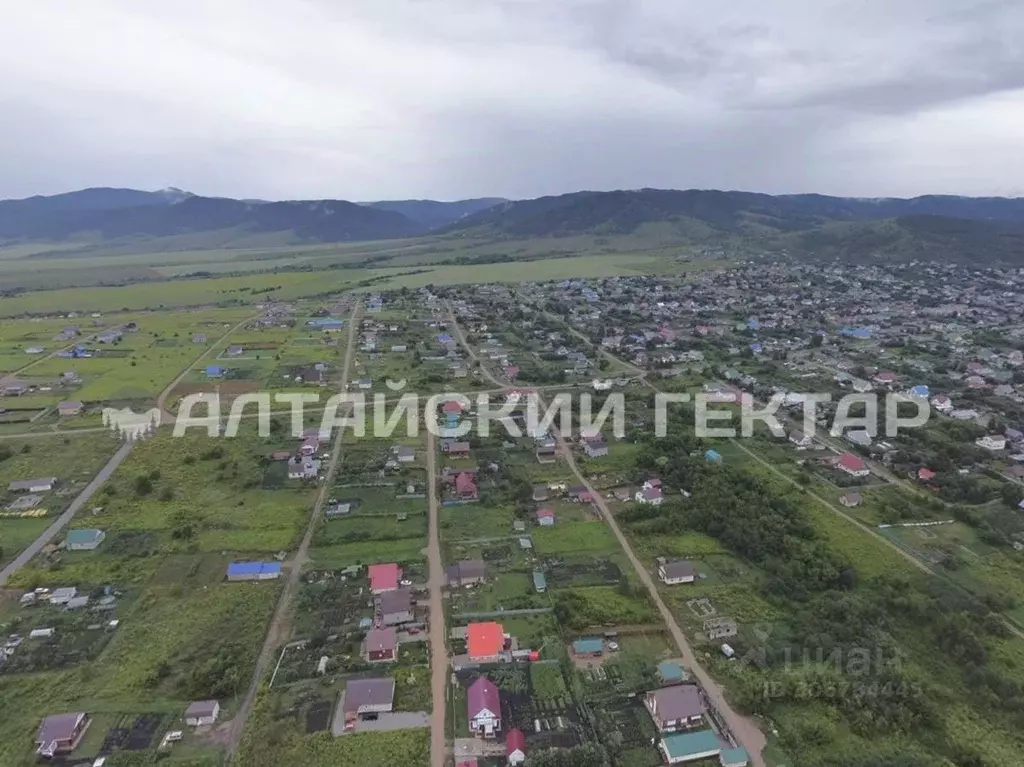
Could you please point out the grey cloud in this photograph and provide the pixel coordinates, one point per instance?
(453, 98)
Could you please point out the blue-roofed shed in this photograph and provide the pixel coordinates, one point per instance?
(713, 456)
(588, 646)
(214, 371)
(734, 757)
(253, 571)
(690, 746)
(540, 583)
(671, 673)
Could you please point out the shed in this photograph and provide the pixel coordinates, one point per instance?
(83, 540)
(588, 646)
(540, 583)
(671, 673)
(253, 571)
(202, 712)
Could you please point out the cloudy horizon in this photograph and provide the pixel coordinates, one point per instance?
(450, 99)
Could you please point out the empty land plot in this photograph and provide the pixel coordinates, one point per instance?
(476, 521)
(573, 537)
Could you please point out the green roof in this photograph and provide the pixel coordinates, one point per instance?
(588, 645)
(84, 536)
(691, 744)
(734, 756)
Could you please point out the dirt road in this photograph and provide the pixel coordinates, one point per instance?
(280, 623)
(744, 729)
(438, 649)
(165, 416)
(64, 519)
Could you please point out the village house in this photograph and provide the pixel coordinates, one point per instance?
(649, 494)
(455, 449)
(384, 577)
(483, 708)
(546, 452)
(595, 447)
(485, 642)
(674, 573)
(849, 500)
(202, 713)
(367, 697)
(540, 493)
(852, 465)
(465, 487)
(395, 608)
(468, 572)
(380, 645)
(69, 408)
(993, 442)
(545, 517)
(39, 485)
(515, 746)
(303, 467)
(61, 734)
(800, 439)
(680, 707)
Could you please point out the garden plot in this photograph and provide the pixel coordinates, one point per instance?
(580, 570)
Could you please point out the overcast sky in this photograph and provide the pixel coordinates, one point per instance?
(385, 99)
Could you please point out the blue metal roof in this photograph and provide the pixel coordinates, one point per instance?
(253, 568)
(692, 744)
(586, 646)
(669, 670)
(734, 756)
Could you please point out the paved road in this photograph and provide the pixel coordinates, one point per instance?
(280, 624)
(744, 729)
(64, 519)
(438, 648)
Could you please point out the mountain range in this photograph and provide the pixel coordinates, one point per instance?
(981, 229)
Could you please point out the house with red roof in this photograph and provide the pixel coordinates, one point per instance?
(483, 707)
(511, 372)
(515, 746)
(485, 642)
(925, 475)
(886, 377)
(384, 577)
(852, 465)
(545, 517)
(466, 487)
(451, 407)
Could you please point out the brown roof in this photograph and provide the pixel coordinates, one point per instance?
(679, 702)
(369, 692)
(397, 601)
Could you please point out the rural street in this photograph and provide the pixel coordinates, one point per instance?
(744, 729)
(104, 474)
(438, 651)
(165, 416)
(12, 375)
(64, 519)
(280, 623)
(829, 441)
